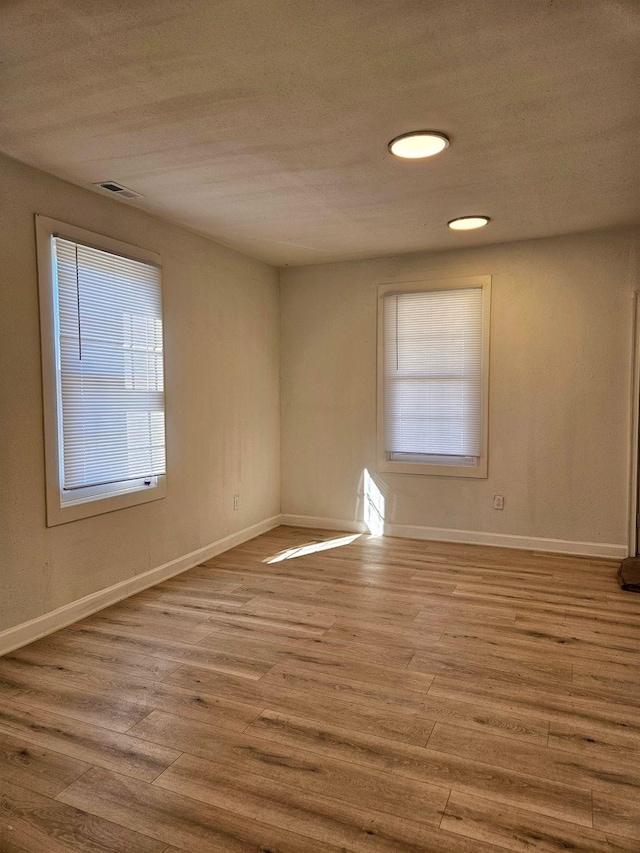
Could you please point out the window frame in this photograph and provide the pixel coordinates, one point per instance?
(94, 500)
(424, 468)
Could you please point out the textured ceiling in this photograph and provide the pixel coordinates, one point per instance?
(264, 123)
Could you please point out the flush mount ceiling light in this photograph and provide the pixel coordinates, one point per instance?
(468, 223)
(418, 144)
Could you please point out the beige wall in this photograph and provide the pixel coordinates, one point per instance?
(560, 374)
(222, 377)
(559, 401)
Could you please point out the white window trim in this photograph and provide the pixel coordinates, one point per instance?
(91, 504)
(478, 471)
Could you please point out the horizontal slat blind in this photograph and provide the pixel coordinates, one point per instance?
(433, 373)
(111, 366)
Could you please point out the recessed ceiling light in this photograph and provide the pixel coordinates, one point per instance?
(468, 223)
(418, 144)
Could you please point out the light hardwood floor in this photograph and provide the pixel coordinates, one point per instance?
(380, 695)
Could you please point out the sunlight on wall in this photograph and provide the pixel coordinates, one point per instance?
(373, 506)
(312, 548)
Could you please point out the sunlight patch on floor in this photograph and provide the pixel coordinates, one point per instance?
(312, 548)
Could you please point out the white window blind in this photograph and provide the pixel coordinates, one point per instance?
(110, 368)
(433, 376)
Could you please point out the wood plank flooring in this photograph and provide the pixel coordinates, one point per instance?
(379, 696)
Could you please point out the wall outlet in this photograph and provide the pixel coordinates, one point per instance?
(498, 502)
(236, 501)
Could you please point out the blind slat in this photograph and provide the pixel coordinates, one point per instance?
(110, 364)
(433, 373)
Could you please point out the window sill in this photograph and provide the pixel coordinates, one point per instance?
(476, 472)
(57, 514)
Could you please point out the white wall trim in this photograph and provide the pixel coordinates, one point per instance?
(507, 540)
(469, 537)
(19, 635)
(324, 523)
(635, 428)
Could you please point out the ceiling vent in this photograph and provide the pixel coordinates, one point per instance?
(118, 189)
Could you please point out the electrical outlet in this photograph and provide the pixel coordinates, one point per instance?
(236, 501)
(498, 502)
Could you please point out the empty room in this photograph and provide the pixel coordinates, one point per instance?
(319, 404)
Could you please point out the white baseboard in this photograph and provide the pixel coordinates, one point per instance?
(324, 523)
(508, 540)
(469, 537)
(27, 632)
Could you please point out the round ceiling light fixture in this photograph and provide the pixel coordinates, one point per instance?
(418, 144)
(468, 223)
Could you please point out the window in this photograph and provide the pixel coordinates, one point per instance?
(103, 375)
(433, 349)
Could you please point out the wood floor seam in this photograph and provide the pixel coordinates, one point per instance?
(84, 773)
(444, 810)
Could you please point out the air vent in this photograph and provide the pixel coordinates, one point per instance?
(118, 189)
